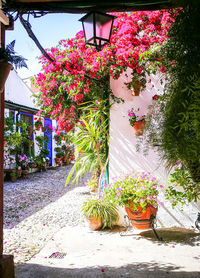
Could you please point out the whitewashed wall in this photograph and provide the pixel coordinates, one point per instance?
(17, 91)
(123, 155)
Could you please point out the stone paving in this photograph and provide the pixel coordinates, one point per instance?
(42, 216)
(36, 208)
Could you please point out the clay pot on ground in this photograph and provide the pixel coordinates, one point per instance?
(19, 173)
(24, 173)
(13, 176)
(139, 128)
(142, 219)
(94, 223)
(58, 161)
(66, 159)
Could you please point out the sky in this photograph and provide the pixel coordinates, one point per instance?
(48, 29)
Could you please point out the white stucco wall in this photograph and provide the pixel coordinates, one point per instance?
(17, 91)
(123, 157)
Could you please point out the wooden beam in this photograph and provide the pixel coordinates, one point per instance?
(3, 18)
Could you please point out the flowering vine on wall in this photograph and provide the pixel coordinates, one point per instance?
(79, 71)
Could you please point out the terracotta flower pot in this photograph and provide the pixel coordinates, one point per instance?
(58, 161)
(19, 173)
(141, 219)
(13, 178)
(24, 173)
(139, 128)
(4, 72)
(72, 157)
(94, 223)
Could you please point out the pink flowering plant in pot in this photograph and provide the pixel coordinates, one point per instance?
(135, 189)
(23, 161)
(133, 118)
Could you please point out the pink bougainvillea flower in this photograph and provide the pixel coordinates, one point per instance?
(149, 198)
(69, 79)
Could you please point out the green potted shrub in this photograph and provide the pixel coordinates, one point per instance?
(101, 213)
(8, 58)
(38, 124)
(59, 158)
(138, 193)
(13, 176)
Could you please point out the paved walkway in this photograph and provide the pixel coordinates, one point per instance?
(50, 238)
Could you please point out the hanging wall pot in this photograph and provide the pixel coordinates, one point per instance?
(5, 69)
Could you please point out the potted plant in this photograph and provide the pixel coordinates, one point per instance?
(100, 213)
(138, 122)
(58, 139)
(19, 171)
(67, 154)
(13, 176)
(47, 161)
(23, 162)
(138, 193)
(59, 158)
(92, 184)
(38, 124)
(8, 58)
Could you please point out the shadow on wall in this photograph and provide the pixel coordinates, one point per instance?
(124, 159)
(136, 270)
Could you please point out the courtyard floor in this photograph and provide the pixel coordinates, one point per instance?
(49, 238)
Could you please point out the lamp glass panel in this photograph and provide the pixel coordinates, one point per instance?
(89, 27)
(103, 26)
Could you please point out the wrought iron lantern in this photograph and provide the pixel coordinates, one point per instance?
(97, 27)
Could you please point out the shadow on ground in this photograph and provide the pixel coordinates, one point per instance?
(174, 234)
(141, 270)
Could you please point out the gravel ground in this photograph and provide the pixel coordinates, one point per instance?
(36, 208)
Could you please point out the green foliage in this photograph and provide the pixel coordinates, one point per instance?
(101, 209)
(9, 124)
(57, 149)
(181, 125)
(13, 174)
(182, 188)
(38, 123)
(60, 154)
(8, 54)
(175, 125)
(40, 141)
(91, 140)
(58, 139)
(92, 183)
